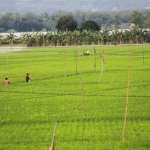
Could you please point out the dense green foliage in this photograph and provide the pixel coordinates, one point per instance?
(90, 25)
(60, 83)
(136, 18)
(79, 37)
(45, 21)
(146, 24)
(66, 23)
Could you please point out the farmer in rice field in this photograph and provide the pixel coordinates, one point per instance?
(27, 78)
(52, 148)
(6, 81)
(87, 53)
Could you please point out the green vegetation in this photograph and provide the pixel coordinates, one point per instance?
(66, 23)
(90, 25)
(136, 18)
(76, 37)
(47, 22)
(64, 84)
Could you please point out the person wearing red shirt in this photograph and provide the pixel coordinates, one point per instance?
(52, 148)
(6, 81)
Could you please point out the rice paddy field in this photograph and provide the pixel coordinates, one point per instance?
(76, 102)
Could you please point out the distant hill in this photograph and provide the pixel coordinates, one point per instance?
(51, 6)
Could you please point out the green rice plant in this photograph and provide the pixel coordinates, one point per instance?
(28, 111)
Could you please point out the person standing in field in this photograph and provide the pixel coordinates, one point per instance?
(6, 81)
(27, 78)
(52, 148)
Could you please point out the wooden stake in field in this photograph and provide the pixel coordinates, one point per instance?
(82, 91)
(76, 61)
(7, 53)
(53, 137)
(65, 63)
(95, 58)
(7, 57)
(143, 55)
(103, 62)
(127, 98)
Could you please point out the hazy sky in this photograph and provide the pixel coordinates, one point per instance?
(50, 6)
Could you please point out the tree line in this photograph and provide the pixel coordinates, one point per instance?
(47, 22)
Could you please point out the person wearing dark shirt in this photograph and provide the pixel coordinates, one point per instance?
(27, 78)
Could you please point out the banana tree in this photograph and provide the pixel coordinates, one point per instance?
(77, 37)
(23, 38)
(11, 38)
(121, 36)
(135, 35)
(94, 38)
(1, 38)
(30, 40)
(86, 37)
(146, 36)
(45, 39)
(113, 36)
(52, 38)
(67, 37)
(39, 38)
(103, 35)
